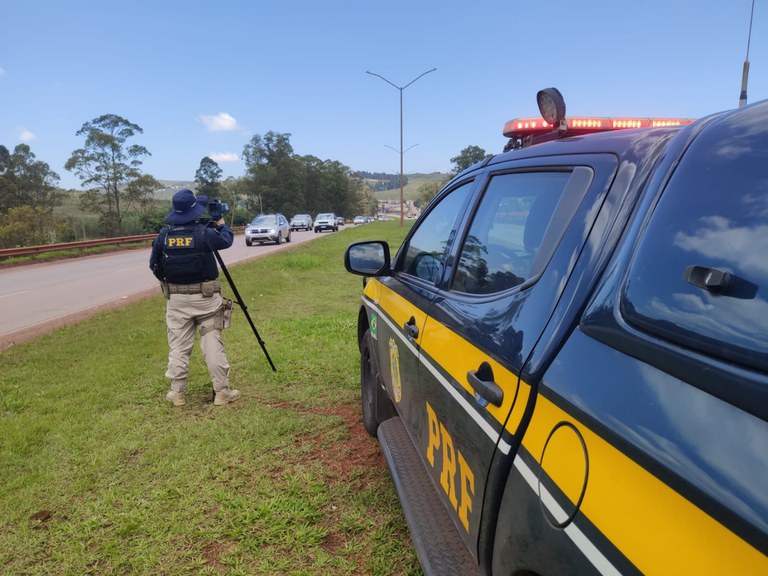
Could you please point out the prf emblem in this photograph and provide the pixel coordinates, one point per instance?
(180, 241)
(394, 370)
(374, 325)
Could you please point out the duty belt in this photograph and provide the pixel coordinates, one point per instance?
(210, 287)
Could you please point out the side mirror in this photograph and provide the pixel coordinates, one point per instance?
(369, 258)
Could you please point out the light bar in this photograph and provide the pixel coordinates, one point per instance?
(522, 127)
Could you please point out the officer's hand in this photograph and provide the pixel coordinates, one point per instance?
(219, 222)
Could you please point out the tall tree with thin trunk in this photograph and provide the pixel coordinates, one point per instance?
(107, 164)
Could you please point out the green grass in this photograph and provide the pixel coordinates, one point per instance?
(100, 475)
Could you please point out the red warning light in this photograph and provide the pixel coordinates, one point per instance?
(523, 127)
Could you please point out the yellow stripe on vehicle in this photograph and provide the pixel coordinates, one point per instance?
(655, 527)
(457, 356)
(454, 355)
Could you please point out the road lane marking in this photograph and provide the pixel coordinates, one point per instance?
(13, 294)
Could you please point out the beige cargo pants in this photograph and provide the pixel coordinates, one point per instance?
(184, 314)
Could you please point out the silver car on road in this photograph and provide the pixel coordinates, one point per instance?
(268, 228)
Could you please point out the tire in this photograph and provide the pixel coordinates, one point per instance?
(288, 239)
(316, 230)
(376, 405)
(279, 238)
(248, 242)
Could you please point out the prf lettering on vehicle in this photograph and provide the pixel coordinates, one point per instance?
(440, 440)
(179, 241)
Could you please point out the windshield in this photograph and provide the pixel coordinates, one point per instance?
(324, 216)
(264, 220)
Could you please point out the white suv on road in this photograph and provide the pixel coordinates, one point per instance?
(326, 221)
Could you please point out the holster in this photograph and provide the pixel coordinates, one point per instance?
(222, 318)
(166, 291)
(226, 307)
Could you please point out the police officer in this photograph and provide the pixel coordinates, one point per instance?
(183, 260)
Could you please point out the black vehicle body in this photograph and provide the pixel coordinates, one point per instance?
(606, 410)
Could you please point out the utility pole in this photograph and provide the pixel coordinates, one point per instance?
(401, 88)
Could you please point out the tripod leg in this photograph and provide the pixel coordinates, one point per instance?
(244, 308)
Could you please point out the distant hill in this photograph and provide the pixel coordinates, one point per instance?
(411, 189)
(170, 187)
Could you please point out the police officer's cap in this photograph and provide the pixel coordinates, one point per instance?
(186, 207)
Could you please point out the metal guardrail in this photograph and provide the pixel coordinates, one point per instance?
(27, 250)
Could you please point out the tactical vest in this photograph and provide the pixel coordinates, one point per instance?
(185, 252)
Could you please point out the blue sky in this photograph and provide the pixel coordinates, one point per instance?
(201, 77)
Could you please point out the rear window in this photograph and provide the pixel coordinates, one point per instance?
(700, 275)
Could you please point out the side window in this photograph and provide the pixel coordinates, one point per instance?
(502, 248)
(699, 277)
(426, 249)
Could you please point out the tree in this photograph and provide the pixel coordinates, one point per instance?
(207, 178)
(277, 180)
(25, 181)
(141, 191)
(25, 226)
(426, 192)
(109, 164)
(274, 174)
(466, 158)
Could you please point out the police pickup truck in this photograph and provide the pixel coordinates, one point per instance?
(566, 361)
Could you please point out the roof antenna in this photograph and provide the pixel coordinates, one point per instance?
(745, 72)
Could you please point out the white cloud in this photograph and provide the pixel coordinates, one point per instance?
(224, 156)
(221, 122)
(25, 135)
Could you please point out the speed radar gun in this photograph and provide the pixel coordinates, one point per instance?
(217, 209)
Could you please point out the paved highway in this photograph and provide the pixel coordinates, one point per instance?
(39, 297)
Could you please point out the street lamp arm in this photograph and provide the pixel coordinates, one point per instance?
(398, 151)
(401, 88)
(417, 77)
(385, 80)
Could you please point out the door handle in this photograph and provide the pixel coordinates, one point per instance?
(485, 388)
(411, 330)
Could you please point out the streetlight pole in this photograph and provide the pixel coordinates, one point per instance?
(401, 88)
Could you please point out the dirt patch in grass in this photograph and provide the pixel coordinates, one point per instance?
(342, 459)
(213, 553)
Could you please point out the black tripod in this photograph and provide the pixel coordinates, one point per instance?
(244, 308)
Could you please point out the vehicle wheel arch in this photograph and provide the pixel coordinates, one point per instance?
(363, 324)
